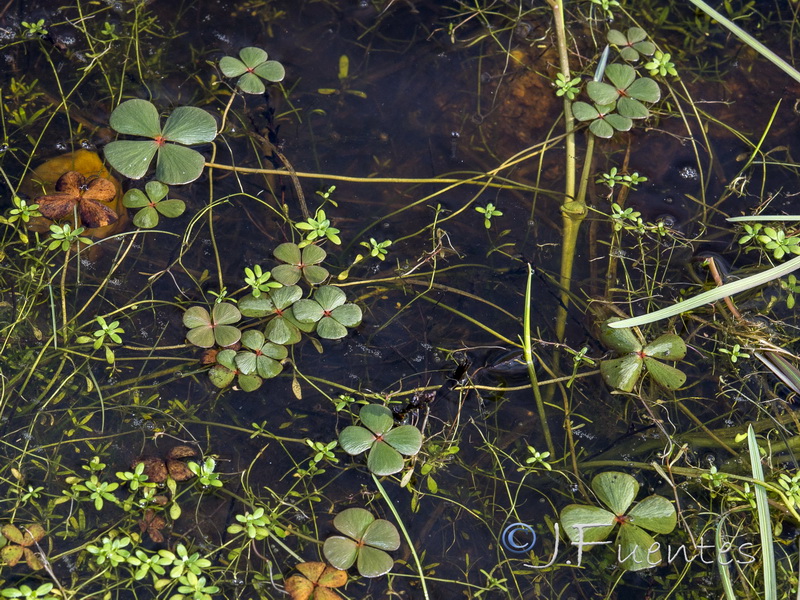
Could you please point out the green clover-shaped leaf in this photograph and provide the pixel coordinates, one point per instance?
(252, 68)
(223, 373)
(329, 311)
(626, 91)
(303, 263)
(386, 444)
(175, 164)
(366, 543)
(205, 330)
(632, 43)
(152, 203)
(261, 357)
(604, 122)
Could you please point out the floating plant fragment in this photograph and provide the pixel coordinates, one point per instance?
(175, 163)
(366, 543)
(226, 369)
(252, 67)
(627, 91)
(385, 444)
(604, 121)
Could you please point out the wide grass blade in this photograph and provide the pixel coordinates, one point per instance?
(764, 522)
(729, 289)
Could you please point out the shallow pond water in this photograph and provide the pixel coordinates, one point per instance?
(415, 111)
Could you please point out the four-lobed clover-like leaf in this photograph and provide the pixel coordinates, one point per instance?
(90, 198)
(252, 67)
(316, 582)
(385, 444)
(626, 90)
(366, 543)
(175, 163)
(636, 548)
(260, 357)
(303, 263)
(604, 121)
(205, 330)
(329, 310)
(226, 369)
(19, 544)
(152, 203)
(623, 372)
(631, 43)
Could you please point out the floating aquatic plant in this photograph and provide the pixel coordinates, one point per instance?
(19, 545)
(206, 330)
(386, 443)
(299, 263)
(175, 163)
(330, 311)
(259, 356)
(636, 548)
(366, 543)
(252, 68)
(632, 43)
(623, 372)
(316, 582)
(152, 203)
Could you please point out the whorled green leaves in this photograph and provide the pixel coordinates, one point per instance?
(635, 548)
(330, 311)
(623, 372)
(283, 327)
(299, 263)
(223, 373)
(252, 68)
(152, 204)
(206, 330)
(365, 543)
(386, 444)
(175, 163)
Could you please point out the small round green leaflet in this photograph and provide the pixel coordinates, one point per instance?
(366, 543)
(385, 444)
(328, 310)
(175, 163)
(206, 330)
(635, 547)
(303, 263)
(252, 67)
(152, 203)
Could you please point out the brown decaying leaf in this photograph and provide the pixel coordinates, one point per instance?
(316, 581)
(158, 469)
(153, 523)
(73, 190)
(20, 540)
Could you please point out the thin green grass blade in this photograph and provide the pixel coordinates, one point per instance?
(749, 40)
(764, 522)
(768, 218)
(528, 353)
(729, 289)
(781, 368)
(724, 572)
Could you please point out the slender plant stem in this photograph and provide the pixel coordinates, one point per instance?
(405, 535)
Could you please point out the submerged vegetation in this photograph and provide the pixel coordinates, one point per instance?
(263, 337)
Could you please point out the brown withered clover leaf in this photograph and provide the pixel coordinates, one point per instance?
(158, 469)
(72, 189)
(153, 523)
